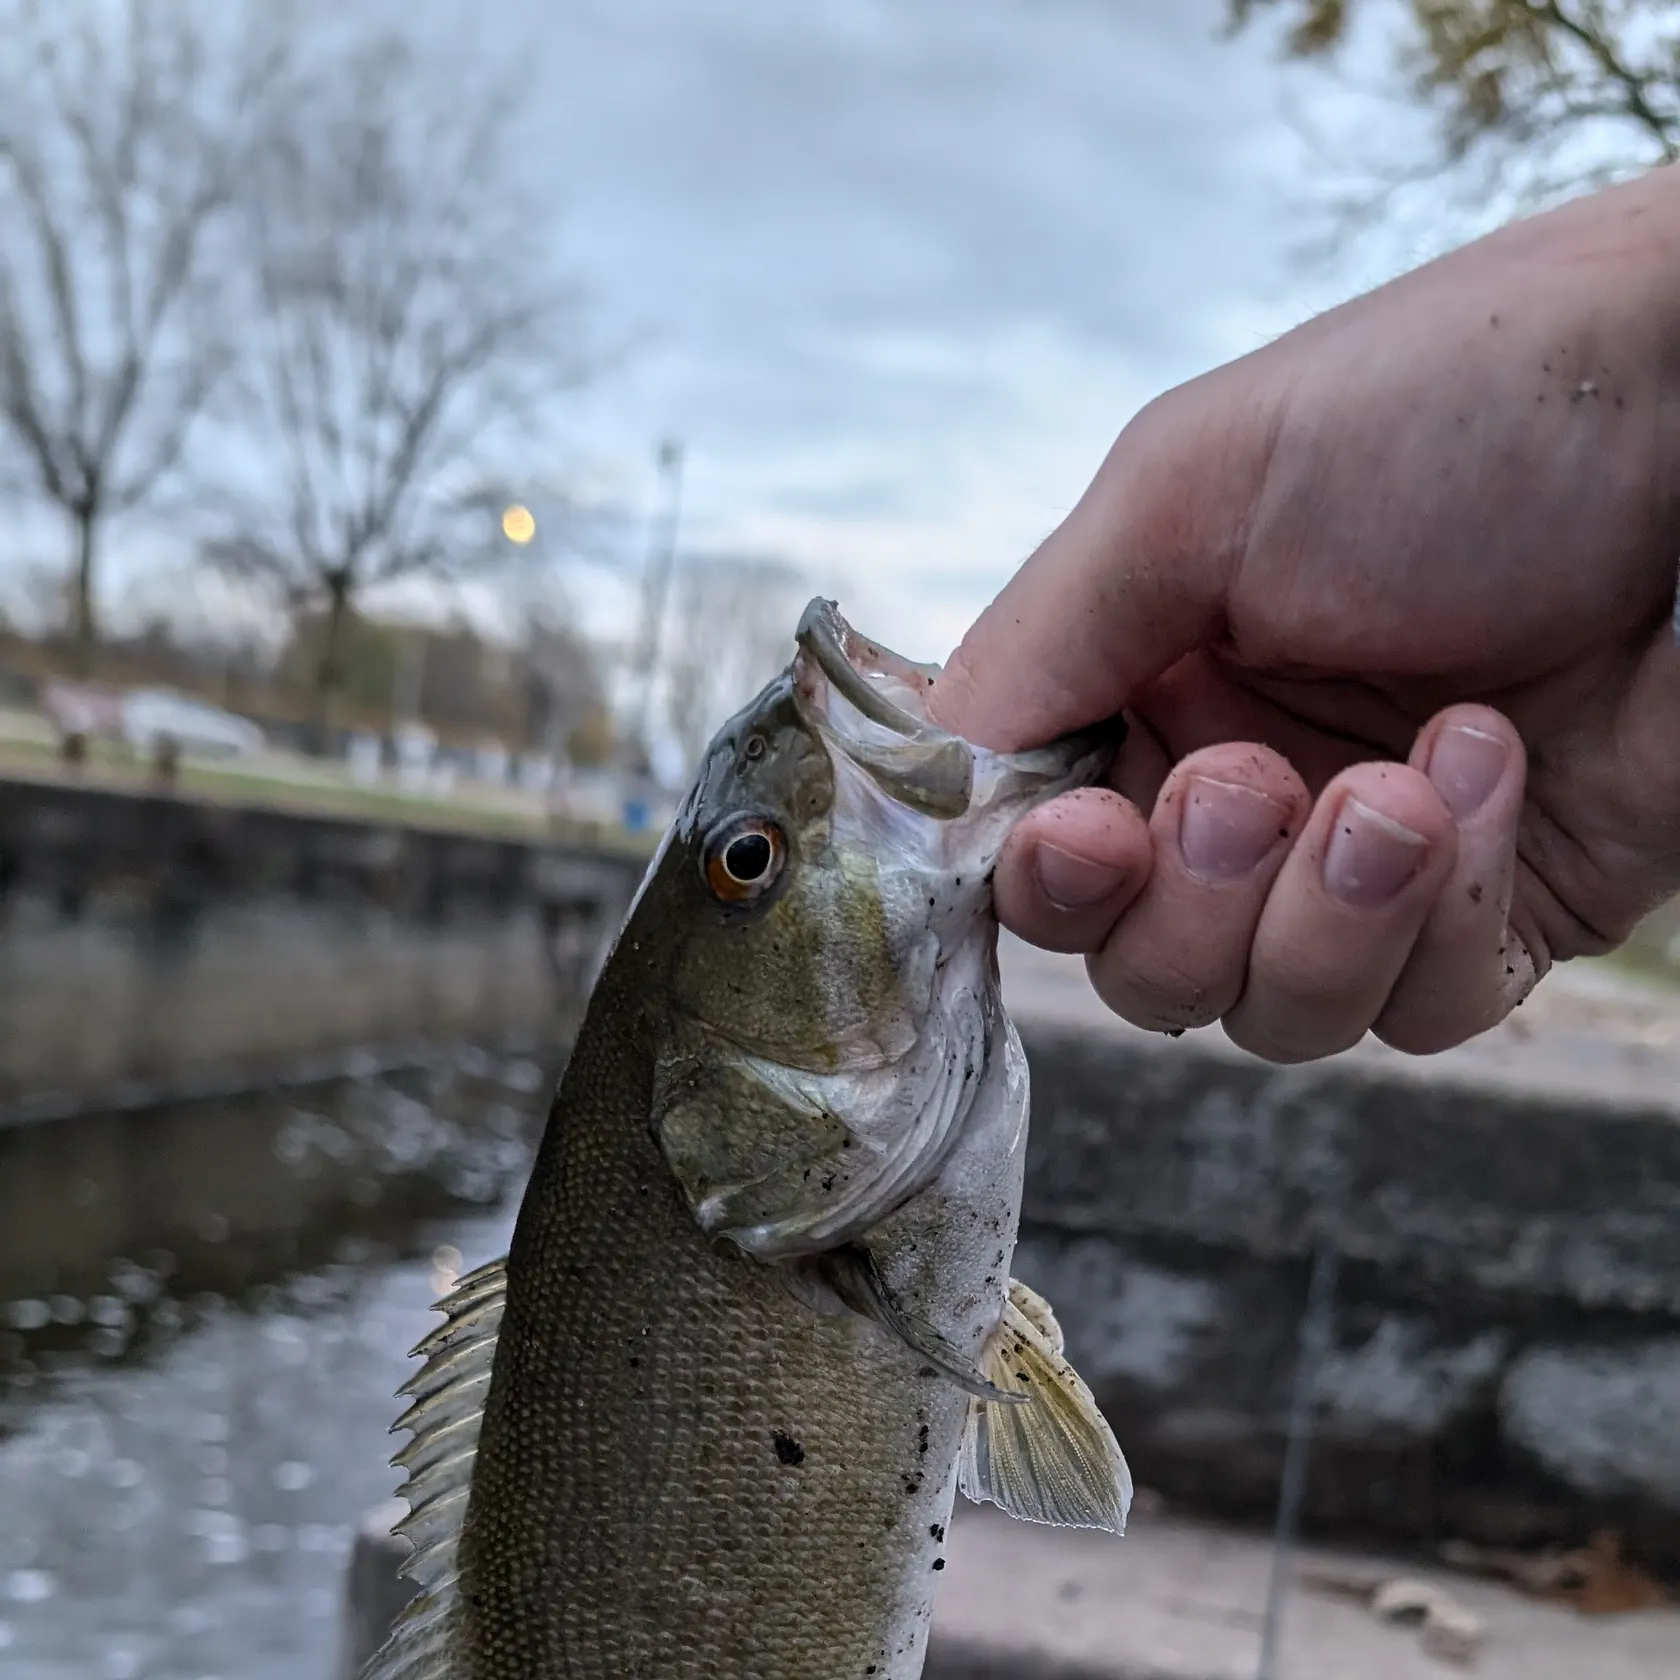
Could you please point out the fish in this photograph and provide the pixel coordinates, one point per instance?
(756, 1326)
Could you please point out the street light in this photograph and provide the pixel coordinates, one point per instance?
(519, 524)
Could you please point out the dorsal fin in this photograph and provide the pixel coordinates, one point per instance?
(1054, 1460)
(448, 1405)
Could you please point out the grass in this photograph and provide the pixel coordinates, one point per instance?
(313, 793)
(1643, 962)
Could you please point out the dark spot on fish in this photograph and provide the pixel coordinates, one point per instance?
(788, 1450)
(937, 1530)
(939, 1563)
(1023, 1376)
(634, 1360)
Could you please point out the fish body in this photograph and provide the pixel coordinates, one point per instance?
(756, 1323)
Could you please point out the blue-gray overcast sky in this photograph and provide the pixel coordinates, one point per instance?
(894, 271)
(897, 270)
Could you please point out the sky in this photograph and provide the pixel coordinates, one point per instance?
(897, 271)
(894, 272)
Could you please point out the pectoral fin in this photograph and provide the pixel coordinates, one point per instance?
(853, 1276)
(1054, 1460)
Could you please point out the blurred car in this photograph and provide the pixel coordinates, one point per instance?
(151, 716)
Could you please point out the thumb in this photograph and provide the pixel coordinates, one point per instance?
(1130, 582)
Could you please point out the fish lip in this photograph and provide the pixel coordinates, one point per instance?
(925, 766)
(848, 660)
(913, 760)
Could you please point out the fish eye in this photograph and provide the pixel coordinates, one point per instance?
(755, 749)
(744, 858)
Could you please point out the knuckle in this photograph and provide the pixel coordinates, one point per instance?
(1290, 1040)
(1161, 995)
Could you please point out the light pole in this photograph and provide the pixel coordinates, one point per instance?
(662, 556)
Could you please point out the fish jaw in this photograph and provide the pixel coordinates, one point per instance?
(946, 799)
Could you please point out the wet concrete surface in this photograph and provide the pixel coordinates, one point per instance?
(196, 1385)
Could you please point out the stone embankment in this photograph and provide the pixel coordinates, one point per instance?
(153, 946)
(1506, 1357)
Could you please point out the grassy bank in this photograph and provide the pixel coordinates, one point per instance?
(309, 791)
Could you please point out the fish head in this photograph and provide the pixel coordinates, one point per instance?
(835, 851)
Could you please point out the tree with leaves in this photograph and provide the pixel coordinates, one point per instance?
(1534, 98)
(407, 334)
(125, 131)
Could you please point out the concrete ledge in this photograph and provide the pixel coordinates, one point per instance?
(158, 943)
(1509, 1220)
(1184, 1601)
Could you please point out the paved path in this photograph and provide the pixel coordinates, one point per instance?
(1183, 1601)
(1588, 1030)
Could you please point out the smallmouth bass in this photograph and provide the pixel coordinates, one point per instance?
(756, 1325)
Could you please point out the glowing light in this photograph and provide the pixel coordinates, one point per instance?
(519, 524)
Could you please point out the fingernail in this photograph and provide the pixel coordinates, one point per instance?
(1225, 829)
(1465, 765)
(1071, 882)
(1370, 857)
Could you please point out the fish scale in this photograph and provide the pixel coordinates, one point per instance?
(706, 1499)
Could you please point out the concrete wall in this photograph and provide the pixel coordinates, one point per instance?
(162, 945)
(1506, 1365)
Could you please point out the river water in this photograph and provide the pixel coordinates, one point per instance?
(204, 1315)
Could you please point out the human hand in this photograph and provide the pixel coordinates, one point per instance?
(1387, 604)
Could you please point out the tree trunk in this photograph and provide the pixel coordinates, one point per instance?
(329, 672)
(84, 625)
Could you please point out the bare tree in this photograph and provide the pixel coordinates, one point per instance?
(124, 129)
(1530, 99)
(407, 332)
(731, 629)
(562, 680)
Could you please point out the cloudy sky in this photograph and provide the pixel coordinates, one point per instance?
(896, 271)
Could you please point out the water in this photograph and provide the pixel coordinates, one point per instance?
(204, 1314)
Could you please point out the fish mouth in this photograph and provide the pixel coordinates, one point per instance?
(871, 704)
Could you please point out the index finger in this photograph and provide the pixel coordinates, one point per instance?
(1132, 580)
